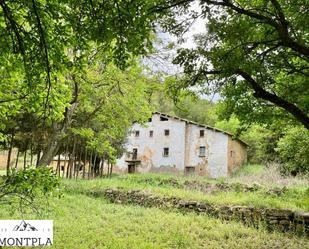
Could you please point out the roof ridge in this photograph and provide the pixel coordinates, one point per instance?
(199, 124)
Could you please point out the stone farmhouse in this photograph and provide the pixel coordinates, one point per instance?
(172, 144)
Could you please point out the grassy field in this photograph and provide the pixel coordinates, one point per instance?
(294, 198)
(83, 221)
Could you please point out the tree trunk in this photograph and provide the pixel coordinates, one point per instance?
(68, 167)
(85, 160)
(111, 170)
(38, 158)
(102, 167)
(89, 166)
(59, 130)
(16, 163)
(58, 166)
(31, 155)
(108, 167)
(8, 162)
(72, 167)
(94, 165)
(25, 159)
(79, 160)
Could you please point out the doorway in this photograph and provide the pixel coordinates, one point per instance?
(131, 168)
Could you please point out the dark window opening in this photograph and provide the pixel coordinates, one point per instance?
(136, 133)
(165, 151)
(166, 132)
(163, 118)
(150, 133)
(134, 154)
(202, 133)
(189, 170)
(62, 168)
(202, 151)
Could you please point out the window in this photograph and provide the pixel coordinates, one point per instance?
(136, 133)
(163, 118)
(202, 133)
(166, 132)
(150, 133)
(62, 168)
(202, 151)
(232, 153)
(165, 151)
(134, 154)
(189, 170)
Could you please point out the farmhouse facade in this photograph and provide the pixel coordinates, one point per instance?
(172, 144)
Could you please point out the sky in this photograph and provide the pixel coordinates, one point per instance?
(162, 60)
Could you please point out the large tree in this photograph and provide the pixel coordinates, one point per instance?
(44, 44)
(255, 53)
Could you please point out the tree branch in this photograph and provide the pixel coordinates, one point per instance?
(261, 93)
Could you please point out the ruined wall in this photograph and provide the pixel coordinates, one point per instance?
(271, 218)
(150, 149)
(237, 154)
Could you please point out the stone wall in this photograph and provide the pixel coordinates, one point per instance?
(272, 219)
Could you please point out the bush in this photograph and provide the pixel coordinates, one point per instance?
(26, 189)
(293, 149)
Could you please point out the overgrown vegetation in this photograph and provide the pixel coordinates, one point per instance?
(213, 191)
(91, 222)
(29, 189)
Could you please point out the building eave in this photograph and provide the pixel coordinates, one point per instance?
(200, 125)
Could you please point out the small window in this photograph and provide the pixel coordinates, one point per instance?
(134, 154)
(202, 151)
(232, 153)
(163, 119)
(150, 133)
(136, 133)
(165, 151)
(62, 168)
(202, 133)
(166, 132)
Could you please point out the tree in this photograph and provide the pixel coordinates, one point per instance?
(46, 45)
(255, 53)
(41, 42)
(293, 149)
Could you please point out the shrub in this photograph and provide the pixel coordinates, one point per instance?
(28, 188)
(293, 149)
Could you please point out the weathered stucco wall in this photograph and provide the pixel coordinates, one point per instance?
(150, 149)
(184, 142)
(237, 154)
(214, 163)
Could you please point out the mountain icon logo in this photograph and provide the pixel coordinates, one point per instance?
(23, 226)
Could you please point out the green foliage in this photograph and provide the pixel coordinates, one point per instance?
(247, 56)
(293, 149)
(29, 188)
(231, 125)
